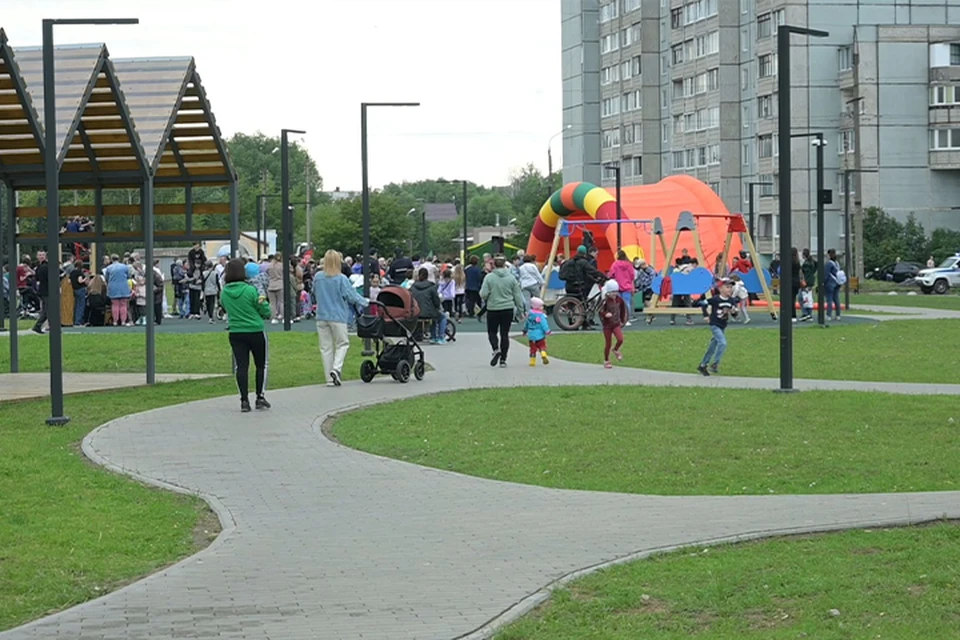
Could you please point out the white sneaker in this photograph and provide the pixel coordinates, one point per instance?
(746, 321)
(274, 321)
(629, 324)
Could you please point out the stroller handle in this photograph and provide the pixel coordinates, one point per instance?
(384, 308)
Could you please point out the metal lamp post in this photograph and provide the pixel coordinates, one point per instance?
(786, 220)
(615, 167)
(51, 167)
(550, 150)
(463, 183)
(751, 186)
(286, 222)
(819, 143)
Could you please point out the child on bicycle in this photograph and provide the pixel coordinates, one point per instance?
(613, 317)
(537, 329)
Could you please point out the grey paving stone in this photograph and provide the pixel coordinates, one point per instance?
(321, 541)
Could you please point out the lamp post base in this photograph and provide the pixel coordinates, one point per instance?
(58, 421)
(786, 390)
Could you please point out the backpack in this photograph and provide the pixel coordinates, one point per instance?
(569, 272)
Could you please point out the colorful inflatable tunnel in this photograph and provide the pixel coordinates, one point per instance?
(665, 200)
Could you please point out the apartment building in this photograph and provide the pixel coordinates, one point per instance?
(681, 86)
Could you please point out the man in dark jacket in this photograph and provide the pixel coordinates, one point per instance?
(428, 299)
(196, 258)
(399, 268)
(43, 290)
(579, 275)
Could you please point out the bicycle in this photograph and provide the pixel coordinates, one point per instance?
(570, 312)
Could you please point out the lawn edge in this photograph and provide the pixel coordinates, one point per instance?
(539, 597)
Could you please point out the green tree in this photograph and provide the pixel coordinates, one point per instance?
(882, 239)
(914, 241)
(487, 209)
(529, 190)
(340, 226)
(943, 243)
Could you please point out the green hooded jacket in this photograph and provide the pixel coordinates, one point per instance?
(245, 308)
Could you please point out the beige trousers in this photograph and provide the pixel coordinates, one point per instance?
(334, 343)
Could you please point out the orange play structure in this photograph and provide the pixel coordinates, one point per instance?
(664, 200)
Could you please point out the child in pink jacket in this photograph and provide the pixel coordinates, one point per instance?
(623, 272)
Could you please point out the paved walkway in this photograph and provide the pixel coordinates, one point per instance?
(321, 541)
(20, 386)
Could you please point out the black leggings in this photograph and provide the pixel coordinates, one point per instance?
(498, 330)
(458, 304)
(195, 302)
(211, 302)
(473, 301)
(243, 344)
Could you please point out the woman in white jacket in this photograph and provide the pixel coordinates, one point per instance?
(531, 280)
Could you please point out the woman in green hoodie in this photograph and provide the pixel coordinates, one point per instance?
(501, 293)
(247, 310)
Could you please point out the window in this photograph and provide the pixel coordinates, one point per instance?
(609, 75)
(745, 77)
(625, 71)
(765, 146)
(611, 138)
(690, 49)
(664, 64)
(690, 158)
(630, 101)
(676, 53)
(635, 33)
(690, 122)
(663, 100)
(610, 42)
(844, 58)
(846, 142)
(713, 79)
(767, 185)
(715, 186)
(765, 107)
(944, 139)
(701, 156)
(764, 24)
(610, 11)
(676, 18)
(708, 118)
(678, 160)
(699, 10)
(711, 43)
(609, 107)
(665, 134)
(713, 154)
(939, 94)
(745, 117)
(745, 39)
(745, 155)
(776, 145)
(954, 55)
(637, 133)
(678, 124)
(627, 136)
(637, 162)
(677, 89)
(635, 66)
(767, 65)
(630, 5)
(840, 184)
(779, 19)
(626, 37)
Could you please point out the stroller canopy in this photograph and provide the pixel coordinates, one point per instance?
(399, 301)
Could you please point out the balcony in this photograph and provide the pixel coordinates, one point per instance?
(945, 160)
(945, 114)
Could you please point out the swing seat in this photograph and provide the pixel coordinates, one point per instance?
(752, 281)
(695, 283)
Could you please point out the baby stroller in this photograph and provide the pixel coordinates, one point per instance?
(394, 314)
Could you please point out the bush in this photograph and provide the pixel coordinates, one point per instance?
(885, 239)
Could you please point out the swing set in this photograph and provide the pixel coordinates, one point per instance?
(700, 280)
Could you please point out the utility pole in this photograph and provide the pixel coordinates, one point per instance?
(306, 184)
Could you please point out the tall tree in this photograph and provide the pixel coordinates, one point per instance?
(340, 226)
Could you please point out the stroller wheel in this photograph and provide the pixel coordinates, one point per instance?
(368, 370)
(403, 371)
(419, 370)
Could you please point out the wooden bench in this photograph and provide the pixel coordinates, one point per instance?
(855, 284)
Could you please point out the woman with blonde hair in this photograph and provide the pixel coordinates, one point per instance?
(460, 281)
(336, 297)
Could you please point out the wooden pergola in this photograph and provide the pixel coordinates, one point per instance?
(141, 124)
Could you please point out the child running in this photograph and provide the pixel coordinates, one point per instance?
(537, 329)
(613, 317)
(716, 311)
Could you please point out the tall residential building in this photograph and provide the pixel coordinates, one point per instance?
(680, 86)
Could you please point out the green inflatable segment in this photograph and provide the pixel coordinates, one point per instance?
(580, 194)
(556, 203)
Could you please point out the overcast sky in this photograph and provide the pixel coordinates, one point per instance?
(487, 73)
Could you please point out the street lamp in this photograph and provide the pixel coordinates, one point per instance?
(365, 258)
(464, 184)
(786, 219)
(286, 223)
(52, 173)
(615, 166)
(751, 205)
(846, 230)
(819, 143)
(423, 227)
(550, 150)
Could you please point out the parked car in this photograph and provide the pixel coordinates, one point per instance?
(896, 272)
(939, 279)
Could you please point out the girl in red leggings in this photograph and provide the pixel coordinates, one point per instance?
(613, 315)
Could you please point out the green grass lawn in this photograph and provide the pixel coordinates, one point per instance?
(951, 301)
(70, 531)
(891, 351)
(899, 583)
(674, 441)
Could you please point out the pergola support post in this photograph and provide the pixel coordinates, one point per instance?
(188, 207)
(98, 229)
(11, 211)
(146, 203)
(234, 221)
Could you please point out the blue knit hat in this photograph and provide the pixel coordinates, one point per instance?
(252, 270)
